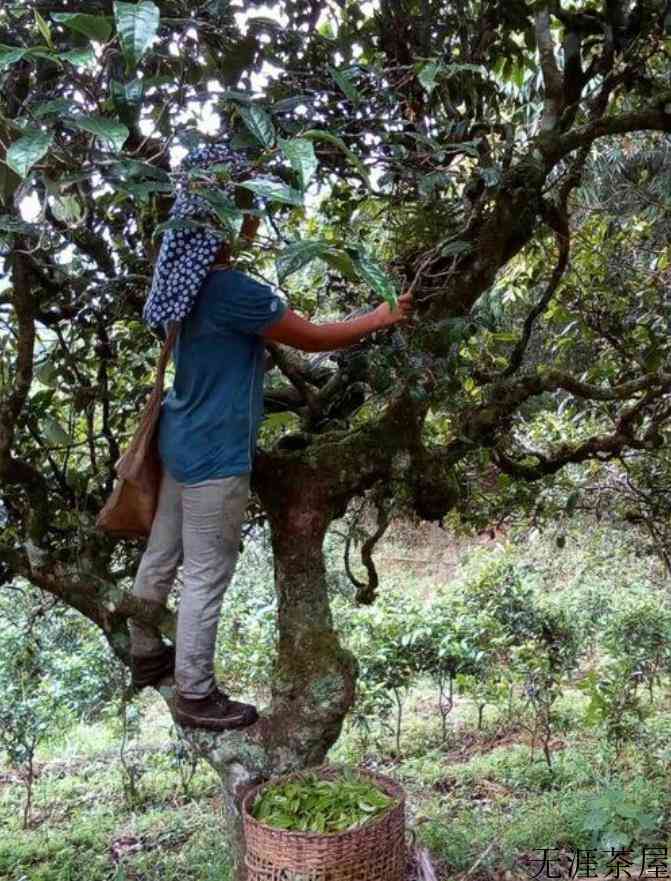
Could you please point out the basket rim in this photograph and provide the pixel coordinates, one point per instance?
(319, 771)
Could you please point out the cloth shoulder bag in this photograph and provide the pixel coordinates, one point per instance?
(129, 511)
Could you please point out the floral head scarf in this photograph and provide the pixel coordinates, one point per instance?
(188, 252)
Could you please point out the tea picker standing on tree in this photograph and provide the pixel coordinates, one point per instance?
(207, 435)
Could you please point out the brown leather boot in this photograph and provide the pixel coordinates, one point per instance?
(216, 711)
(151, 669)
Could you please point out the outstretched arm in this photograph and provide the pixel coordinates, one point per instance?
(292, 330)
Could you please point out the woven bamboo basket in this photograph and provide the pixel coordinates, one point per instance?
(374, 851)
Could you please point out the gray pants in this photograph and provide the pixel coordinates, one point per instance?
(199, 524)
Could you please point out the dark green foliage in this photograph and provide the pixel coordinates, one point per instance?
(613, 822)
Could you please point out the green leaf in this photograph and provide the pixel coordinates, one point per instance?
(137, 25)
(135, 168)
(206, 174)
(299, 254)
(227, 211)
(518, 76)
(44, 29)
(327, 137)
(10, 55)
(274, 191)
(57, 106)
(280, 420)
(369, 809)
(55, 433)
(325, 29)
(301, 154)
(143, 189)
(28, 150)
(46, 373)
(373, 274)
(67, 208)
(259, 124)
(238, 96)
(287, 104)
(343, 79)
(96, 27)
(127, 100)
(44, 52)
(343, 262)
(512, 71)
(78, 57)
(505, 336)
(427, 75)
(470, 68)
(109, 130)
(128, 93)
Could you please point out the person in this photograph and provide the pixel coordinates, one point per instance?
(207, 438)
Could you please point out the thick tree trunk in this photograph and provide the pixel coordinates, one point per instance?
(313, 685)
(314, 678)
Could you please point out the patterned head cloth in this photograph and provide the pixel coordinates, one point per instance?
(188, 252)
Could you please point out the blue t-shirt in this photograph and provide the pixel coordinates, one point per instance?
(210, 418)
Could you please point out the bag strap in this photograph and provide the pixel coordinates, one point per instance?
(165, 355)
(154, 399)
(128, 462)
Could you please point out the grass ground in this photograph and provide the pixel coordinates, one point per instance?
(86, 824)
(484, 801)
(481, 801)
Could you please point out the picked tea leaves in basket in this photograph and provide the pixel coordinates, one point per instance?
(317, 805)
(326, 824)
